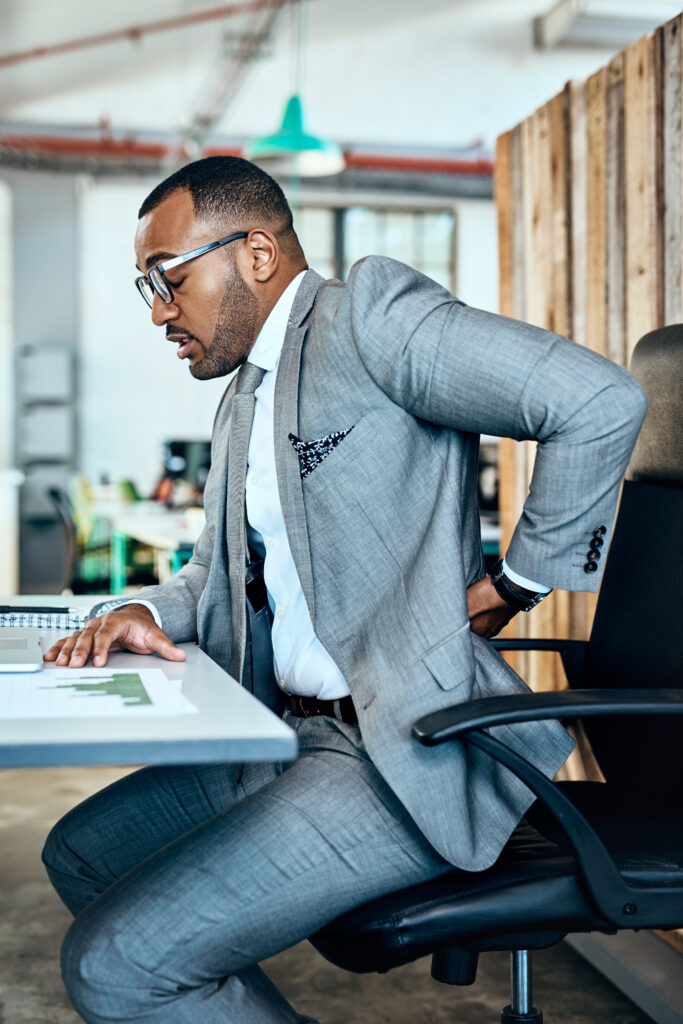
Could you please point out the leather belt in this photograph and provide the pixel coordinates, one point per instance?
(309, 707)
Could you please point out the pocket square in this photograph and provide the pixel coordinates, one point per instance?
(312, 453)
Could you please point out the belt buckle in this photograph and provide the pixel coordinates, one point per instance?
(304, 712)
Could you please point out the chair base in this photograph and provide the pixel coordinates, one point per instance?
(508, 1016)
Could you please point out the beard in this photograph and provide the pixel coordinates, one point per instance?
(235, 333)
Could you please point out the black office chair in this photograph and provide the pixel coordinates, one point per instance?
(589, 856)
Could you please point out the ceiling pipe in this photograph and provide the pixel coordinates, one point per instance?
(59, 145)
(133, 33)
(105, 146)
(418, 164)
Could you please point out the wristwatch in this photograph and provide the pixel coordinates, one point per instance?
(519, 599)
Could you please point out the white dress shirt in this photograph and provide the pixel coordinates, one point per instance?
(302, 665)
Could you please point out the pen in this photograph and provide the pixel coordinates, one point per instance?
(16, 609)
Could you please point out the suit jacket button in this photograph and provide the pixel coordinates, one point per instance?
(596, 543)
(590, 567)
(599, 531)
(593, 556)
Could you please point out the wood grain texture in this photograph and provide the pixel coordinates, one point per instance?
(672, 158)
(578, 186)
(596, 211)
(643, 248)
(615, 347)
(502, 190)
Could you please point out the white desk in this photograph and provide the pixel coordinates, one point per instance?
(151, 523)
(231, 725)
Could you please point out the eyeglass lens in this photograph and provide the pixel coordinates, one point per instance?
(159, 285)
(147, 286)
(145, 290)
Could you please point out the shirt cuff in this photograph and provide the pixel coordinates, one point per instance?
(109, 606)
(522, 581)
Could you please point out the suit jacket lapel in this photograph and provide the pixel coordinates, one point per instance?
(286, 418)
(215, 603)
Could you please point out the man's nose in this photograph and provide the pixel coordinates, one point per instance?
(163, 312)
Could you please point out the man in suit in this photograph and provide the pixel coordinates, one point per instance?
(349, 436)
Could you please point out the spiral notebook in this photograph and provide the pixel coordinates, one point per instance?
(42, 618)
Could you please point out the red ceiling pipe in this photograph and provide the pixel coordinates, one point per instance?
(57, 145)
(388, 162)
(135, 32)
(418, 164)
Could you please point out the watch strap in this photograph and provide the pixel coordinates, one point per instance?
(521, 601)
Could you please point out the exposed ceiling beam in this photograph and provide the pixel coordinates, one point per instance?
(133, 33)
(550, 28)
(226, 80)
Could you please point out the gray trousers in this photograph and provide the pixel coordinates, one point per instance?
(182, 879)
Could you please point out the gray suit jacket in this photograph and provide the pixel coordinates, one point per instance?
(385, 534)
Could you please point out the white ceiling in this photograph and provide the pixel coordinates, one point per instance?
(433, 72)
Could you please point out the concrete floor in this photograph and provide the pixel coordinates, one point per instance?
(33, 921)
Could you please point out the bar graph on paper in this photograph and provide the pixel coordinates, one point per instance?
(91, 693)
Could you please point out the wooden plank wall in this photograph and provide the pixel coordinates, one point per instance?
(588, 191)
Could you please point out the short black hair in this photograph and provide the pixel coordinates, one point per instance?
(227, 188)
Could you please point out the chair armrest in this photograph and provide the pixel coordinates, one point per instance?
(538, 644)
(619, 903)
(572, 653)
(459, 719)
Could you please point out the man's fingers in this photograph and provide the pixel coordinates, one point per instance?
(166, 648)
(53, 652)
(67, 648)
(76, 649)
(96, 643)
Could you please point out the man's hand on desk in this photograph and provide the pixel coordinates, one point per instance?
(487, 610)
(130, 628)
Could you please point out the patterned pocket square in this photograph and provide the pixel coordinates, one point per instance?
(312, 453)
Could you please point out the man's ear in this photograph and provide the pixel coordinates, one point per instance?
(264, 254)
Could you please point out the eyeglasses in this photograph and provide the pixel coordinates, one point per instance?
(155, 280)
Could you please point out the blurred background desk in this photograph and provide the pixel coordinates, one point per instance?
(171, 534)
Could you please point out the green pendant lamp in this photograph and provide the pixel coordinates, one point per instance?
(291, 150)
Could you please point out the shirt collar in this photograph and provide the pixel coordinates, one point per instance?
(268, 345)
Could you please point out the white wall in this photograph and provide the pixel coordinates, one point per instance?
(6, 297)
(134, 391)
(9, 478)
(477, 254)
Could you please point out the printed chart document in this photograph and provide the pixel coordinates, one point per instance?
(91, 693)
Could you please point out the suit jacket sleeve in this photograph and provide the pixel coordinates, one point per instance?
(474, 371)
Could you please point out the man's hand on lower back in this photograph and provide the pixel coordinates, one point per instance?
(130, 628)
(487, 610)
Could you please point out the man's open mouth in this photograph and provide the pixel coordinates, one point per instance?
(184, 343)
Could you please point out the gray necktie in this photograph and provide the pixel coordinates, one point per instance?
(248, 379)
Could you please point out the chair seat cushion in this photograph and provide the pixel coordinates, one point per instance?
(531, 897)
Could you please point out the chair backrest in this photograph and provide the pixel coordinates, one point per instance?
(62, 507)
(637, 636)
